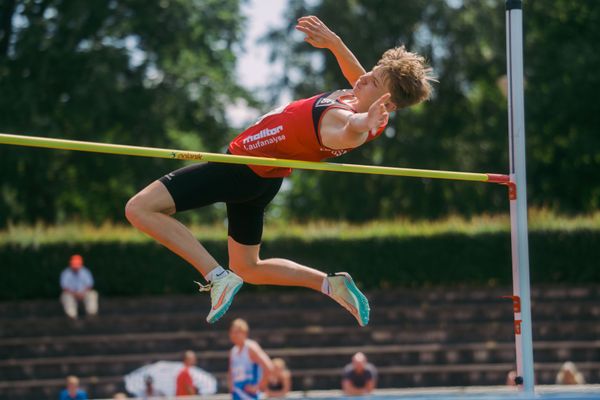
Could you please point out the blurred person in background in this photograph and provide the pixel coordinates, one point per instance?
(249, 366)
(77, 285)
(185, 383)
(510, 378)
(72, 391)
(359, 376)
(569, 375)
(150, 391)
(280, 381)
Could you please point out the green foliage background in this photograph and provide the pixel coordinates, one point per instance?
(156, 73)
(161, 73)
(145, 268)
(464, 127)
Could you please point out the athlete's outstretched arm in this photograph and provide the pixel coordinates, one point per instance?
(320, 36)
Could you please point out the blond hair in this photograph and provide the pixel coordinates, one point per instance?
(279, 362)
(240, 324)
(73, 379)
(408, 75)
(189, 354)
(569, 375)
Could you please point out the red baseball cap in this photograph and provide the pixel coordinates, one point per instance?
(76, 261)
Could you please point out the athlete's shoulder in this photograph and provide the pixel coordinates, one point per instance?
(331, 98)
(252, 344)
(335, 115)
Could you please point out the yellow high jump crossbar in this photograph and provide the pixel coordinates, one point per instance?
(76, 145)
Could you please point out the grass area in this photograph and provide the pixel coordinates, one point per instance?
(27, 235)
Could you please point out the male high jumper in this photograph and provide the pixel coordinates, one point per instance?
(323, 126)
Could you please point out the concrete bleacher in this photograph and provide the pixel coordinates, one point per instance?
(431, 337)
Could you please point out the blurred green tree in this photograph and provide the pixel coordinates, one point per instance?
(563, 119)
(161, 74)
(464, 126)
(156, 73)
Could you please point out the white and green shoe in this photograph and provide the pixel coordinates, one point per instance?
(222, 291)
(343, 290)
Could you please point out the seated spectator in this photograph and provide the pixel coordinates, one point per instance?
(72, 391)
(280, 381)
(359, 377)
(120, 396)
(150, 391)
(569, 375)
(77, 285)
(185, 383)
(510, 378)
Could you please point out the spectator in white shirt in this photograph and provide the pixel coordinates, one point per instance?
(77, 285)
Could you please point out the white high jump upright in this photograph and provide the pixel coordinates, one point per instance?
(518, 195)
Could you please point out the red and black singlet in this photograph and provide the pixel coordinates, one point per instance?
(292, 132)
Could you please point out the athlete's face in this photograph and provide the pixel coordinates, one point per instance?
(370, 87)
(237, 335)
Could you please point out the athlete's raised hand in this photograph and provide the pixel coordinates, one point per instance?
(378, 114)
(320, 36)
(317, 33)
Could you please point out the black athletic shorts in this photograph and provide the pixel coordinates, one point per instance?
(245, 194)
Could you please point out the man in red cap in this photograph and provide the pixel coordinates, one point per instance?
(77, 285)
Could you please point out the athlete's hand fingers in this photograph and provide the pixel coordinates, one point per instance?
(382, 113)
(312, 19)
(316, 26)
(386, 119)
(304, 29)
(310, 38)
(308, 30)
(378, 113)
(308, 23)
(381, 120)
(383, 98)
(315, 20)
(380, 104)
(313, 37)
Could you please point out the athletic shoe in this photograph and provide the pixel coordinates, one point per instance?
(343, 290)
(222, 291)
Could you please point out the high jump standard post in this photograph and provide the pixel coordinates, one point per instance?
(518, 197)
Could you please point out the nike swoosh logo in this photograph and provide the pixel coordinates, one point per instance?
(221, 298)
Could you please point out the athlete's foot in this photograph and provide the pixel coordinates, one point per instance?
(222, 291)
(343, 290)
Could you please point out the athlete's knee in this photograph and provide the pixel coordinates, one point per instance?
(134, 209)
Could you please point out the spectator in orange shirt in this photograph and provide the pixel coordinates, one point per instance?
(185, 385)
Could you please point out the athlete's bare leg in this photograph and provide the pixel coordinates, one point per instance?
(244, 260)
(150, 211)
